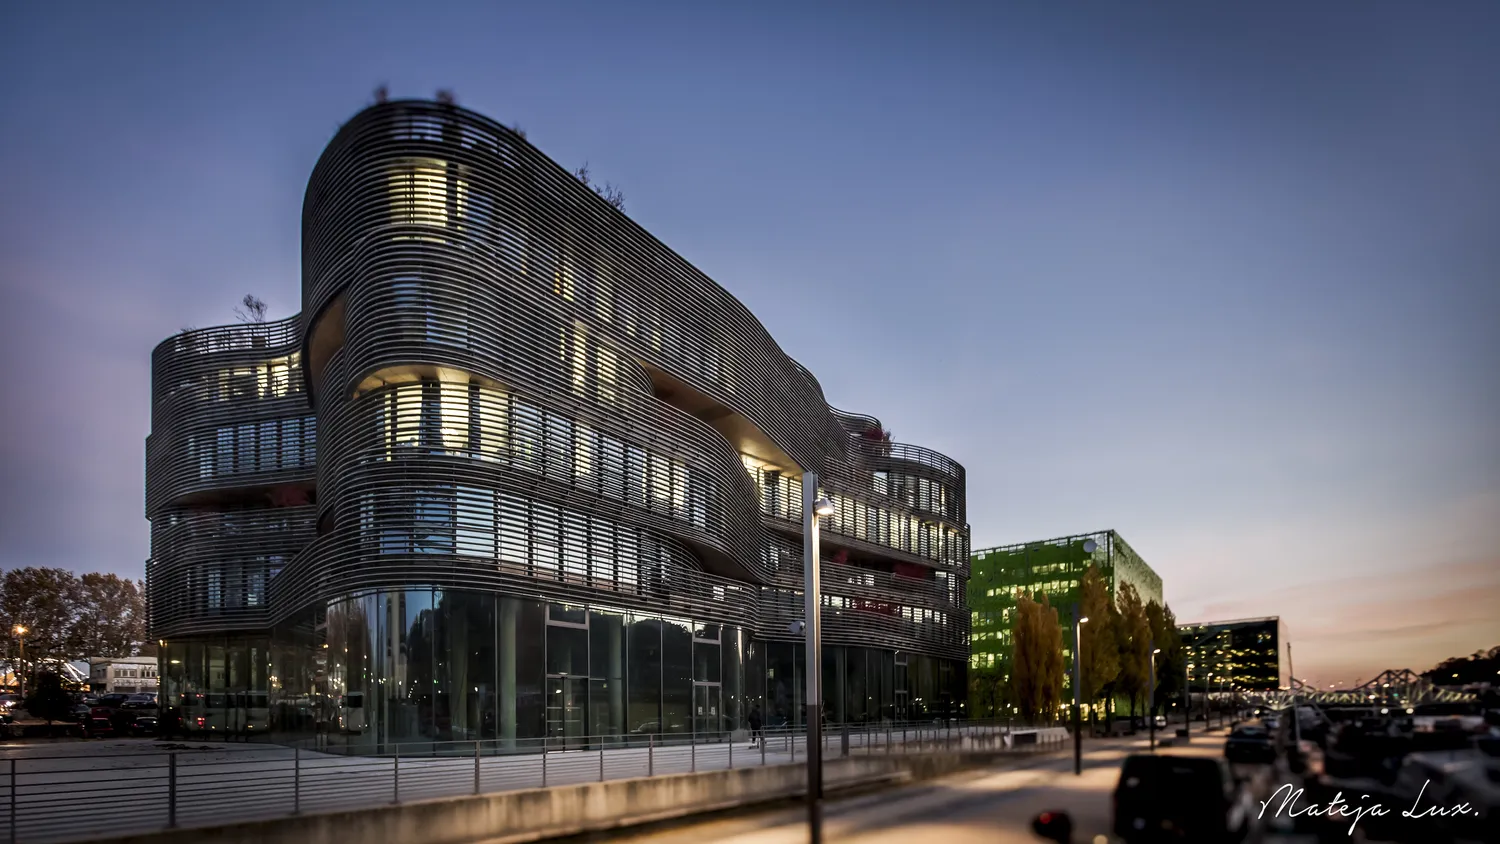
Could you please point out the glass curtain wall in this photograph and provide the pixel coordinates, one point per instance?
(418, 667)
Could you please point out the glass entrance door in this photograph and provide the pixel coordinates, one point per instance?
(706, 710)
(567, 711)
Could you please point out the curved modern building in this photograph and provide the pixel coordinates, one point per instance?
(519, 470)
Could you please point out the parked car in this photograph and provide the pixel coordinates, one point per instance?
(99, 728)
(8, 701)
(141, 701)
(113, 700)
(144, 723)
(1180, 798)
(1250, 745)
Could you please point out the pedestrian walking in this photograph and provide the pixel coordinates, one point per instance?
(756, 736)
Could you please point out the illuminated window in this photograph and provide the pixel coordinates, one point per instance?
(418, 190)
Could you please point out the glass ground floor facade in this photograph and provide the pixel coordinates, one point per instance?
(430, 665)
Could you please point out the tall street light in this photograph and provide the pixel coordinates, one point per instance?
(1078, 622)
(1187, 701)
(1208, 693)
(1079, 619)
(1151, 694)
(21, 631)
(813, 508)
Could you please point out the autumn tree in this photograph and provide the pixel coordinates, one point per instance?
(1036, 657)
(1100, 661)
(110, 619)
(1169, 663)
(1133, 638)
(45, 602)
(1052, 650)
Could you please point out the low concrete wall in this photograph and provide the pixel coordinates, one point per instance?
(1038, 735)
(532, 814)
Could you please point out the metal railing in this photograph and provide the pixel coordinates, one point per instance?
(67, 797)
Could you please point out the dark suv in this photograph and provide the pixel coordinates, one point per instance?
(1178, 798)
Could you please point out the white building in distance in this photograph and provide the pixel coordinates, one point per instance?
(123, 674)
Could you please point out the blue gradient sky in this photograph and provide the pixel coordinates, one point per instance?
(1225, 280)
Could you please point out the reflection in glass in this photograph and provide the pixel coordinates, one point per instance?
(420, 665)
(643, 680)
(607, 662)
(676, 675)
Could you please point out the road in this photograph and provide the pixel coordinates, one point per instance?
(992, 805)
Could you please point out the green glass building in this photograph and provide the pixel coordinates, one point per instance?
(1242, 654)
(1053, 567)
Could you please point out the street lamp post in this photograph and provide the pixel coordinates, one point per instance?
(21, 631)
(1208, 693)
(1151, 695)
(1078, 621)
(1187, 703)
(813, 508)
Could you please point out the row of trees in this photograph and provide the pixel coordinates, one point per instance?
(1118, 641)
(71, 617)
(1478, 667)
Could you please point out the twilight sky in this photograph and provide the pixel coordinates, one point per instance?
(1224, 279)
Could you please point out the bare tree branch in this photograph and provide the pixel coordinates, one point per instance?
(251, 310)
(608, 191)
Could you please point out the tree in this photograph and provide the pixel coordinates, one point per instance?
(1025, 665)
(111, 617)
(45, 602)
(1478, 667)
(251, 310)
(1100, 664)
(1133, 638)
(1052, 657)
(1036, 658)
(48, 700)
(613, 195)
(1169, 663)
(984, 693)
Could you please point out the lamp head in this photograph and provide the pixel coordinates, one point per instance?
(1155, 651)
(823, 507)
(1090, 546)
(1084, 620)
(21, 630)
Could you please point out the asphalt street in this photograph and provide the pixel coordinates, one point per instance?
(993, 805)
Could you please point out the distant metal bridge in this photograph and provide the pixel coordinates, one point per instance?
(1392, 688)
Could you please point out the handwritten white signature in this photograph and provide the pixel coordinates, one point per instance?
(1339, 808)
